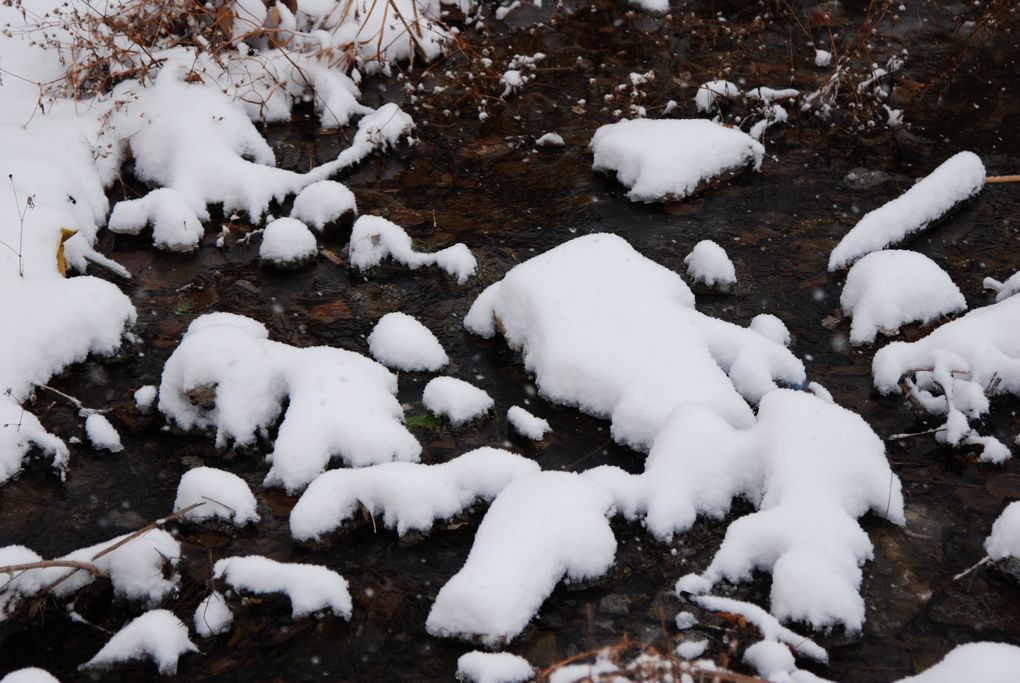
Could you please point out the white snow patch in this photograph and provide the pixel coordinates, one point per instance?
(709, 263)
(373, 239)
(287, 242)
(456, 399)
(323, 203)
(493, 667)
(661, 159)
(691, 649)
(769, 95)
(1003, 289)
(310, 587)
(985, 662)
(400, 342)
(1004, 541)
(175, 224)
(770, 658)
(823, 58)
(227, 375)
(144, 397)
(409, 496)
(223, 496)
(771, 327)
(526, 424)
(30, 675)
(213, 616)
(709, 94)
(157, 635)
(101, 434)
(958, 178)
(542, 528)
(887, 289)
(550, 140)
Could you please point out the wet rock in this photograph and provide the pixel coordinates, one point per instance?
(615, 604)
(1010, 567)
(203, 396)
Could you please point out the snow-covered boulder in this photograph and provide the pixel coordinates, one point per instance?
(1004, 541)
(223, 495)
(660, 159)
(145, 397)
(175, 224)
(457, 400)
(709, 264)
(771, 327)
(102, 434)
(212, 616)
(322, 203)
(1003, 289)
(887, 289)
(408, 496)
(616, 335)
(493, 667)
(310, 587)
(958, 178)
(375, 239)
(226, 375)
(526, 424)
(287, 243)
(30, 675)
(985, 662)
(400, 342)
(541, 529)
(157, 635)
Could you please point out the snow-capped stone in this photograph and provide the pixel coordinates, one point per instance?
(1003, 289)
(493, 667)
(400, 342)
(526, 424)
(887, 289)
(1004, 541)
(550, 140)
(175, 225)
(985, 662)
(823, 58)
(157, 635)
(375, 239)
(101, 434)
(144, 397)
(310, 587)
(691, 649)
(771, 327)
(213, 616)
(322, 203)
(770, 658)
(30, 675)
(708, 263)
(223, 496)
(455, 399)
(286, 243)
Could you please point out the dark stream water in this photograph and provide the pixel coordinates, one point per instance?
(482, 183)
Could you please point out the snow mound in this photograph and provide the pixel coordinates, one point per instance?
(287, 243)
(455, 399)
(1004, 541)
(310, 587)
(691, 649)
(493, 667)
(223, 496)
(710, 93)
(322, 203)
(954, 370)
(958, 178)
(887, 289)
(1003, 289)
(550, 140)
(227, 375)
(608, 331)
(145, 397)
(805, 459)
(400, 342)
(101, 434)
(660, 159)
(410, 496)
(212, 617)
(526, 424)
(175, 224)
(708, 263)
(157, 635)
(985, 662)
(374, 239)
(771, 327)
(30, 675)
(541, 529)
(770, 659)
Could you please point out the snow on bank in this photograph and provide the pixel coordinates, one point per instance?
(708, 263)
(223, 496)
(157, 635)
(957, 179)
(526, 424)
(670, 158)
(101, 434)
(615, 334)
(323, 203)
(400, 342)
(955, 369)
(310, 587)
(493, 667)
(409, 496)
(985, 662)
(456, 400)
(228, 376)
(375, 239)
(887, 289)
(287, 243)
(810, 467)
(541, 529)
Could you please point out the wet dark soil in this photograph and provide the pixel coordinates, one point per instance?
(484, 184)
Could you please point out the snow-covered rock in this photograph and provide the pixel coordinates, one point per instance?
(493, 667)
(541, 529)
(287, 243)
(1004, 541)
(985, 662)
(157, 635)
(709, 93)
(375, 239)
(771, 327)
(823, 58)
(409, 496)
(310, 587)
(708, 263)
(691, 649)
(615, 334)
(549, 140)
(954, 369)
(322, 203)
(1003, 289)
(145, 397)
(101, 434)
(228, 376)
(958, 178)
(770, 658)
(400, 342)
(660, 159)
(30, 675)
(526, 424)
(213, 616)
(455, 399)
(810, 467)
(175, 224)
(223, 496)
(887, 289)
